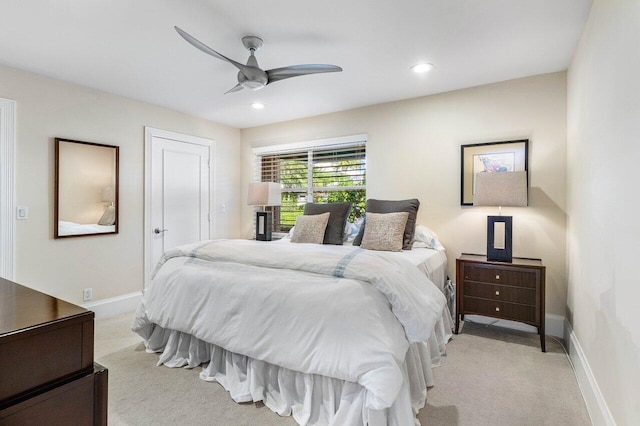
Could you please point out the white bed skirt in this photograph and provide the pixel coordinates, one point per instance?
(312, 399)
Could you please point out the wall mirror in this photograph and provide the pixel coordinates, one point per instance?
(86, 193)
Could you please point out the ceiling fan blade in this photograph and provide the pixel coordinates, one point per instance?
(206, 49)
(278, 74)
(235, 88)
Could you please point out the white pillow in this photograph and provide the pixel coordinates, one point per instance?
(351, 229)
(427, 238)
(290, 233)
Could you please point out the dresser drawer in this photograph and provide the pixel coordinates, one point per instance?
(81, 401)
(517, 278)
(499, 309)
(525, 296)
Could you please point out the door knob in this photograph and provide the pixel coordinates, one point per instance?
(159, 231)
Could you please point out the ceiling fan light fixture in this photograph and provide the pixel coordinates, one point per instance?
(253, 85)
(257, 105)
(422, 68)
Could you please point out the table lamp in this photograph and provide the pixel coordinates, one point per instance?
(264, 194)
(108, 195)
(508, 189)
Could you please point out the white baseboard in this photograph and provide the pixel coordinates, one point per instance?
(114, 306)
(596, 405)
(553, 326)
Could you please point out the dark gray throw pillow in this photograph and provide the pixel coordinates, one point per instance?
(388, 206)
(339, 212)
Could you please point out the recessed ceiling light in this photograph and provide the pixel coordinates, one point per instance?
(421, 68)
(257, 105)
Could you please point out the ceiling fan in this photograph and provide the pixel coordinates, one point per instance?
(251, 76)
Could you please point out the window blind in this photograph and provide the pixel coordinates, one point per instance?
(317, 174)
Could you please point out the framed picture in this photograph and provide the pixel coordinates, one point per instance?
(508, 156)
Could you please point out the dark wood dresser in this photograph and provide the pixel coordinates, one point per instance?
(47, 373)
(512, 291)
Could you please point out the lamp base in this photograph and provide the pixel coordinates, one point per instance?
(499, 251)
(264, 225)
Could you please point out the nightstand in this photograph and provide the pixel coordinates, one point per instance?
(512, 291)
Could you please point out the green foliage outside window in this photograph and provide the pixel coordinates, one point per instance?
(328, 176)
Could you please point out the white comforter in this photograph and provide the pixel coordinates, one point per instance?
(71, 228)
(341, 312)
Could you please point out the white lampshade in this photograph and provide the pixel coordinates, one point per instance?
(107, 194)
(264, 194)
(505, 189)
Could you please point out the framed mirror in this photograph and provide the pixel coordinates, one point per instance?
(86, 193)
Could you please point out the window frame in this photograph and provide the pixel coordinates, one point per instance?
(344, 142)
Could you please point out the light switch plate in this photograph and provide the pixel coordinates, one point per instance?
(22, 213)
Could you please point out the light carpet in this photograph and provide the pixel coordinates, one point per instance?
(490, 376)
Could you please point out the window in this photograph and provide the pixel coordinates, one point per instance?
(328, 172)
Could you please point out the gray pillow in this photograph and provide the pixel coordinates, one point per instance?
(385, 231)
(338, 214)
(310, 229)
(387, 206)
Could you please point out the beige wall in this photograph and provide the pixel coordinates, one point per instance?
(111, 264)
(413, 150)
(603, 202)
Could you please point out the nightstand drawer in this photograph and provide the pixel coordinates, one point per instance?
(511, 311)
(524, 296)
(518, 278)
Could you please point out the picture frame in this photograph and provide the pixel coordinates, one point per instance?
(506, 156)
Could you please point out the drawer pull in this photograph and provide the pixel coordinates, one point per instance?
(497, 309)
(497, 293)
(497, 277)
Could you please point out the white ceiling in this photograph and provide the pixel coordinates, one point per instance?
(129, 47)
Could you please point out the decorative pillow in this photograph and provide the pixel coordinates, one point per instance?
(427, 237)
(385, 231)
(339, 212)
(108, 217)
(385, 206)
(310, 228)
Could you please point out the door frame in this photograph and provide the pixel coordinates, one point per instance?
(7, 188)
(149, 134)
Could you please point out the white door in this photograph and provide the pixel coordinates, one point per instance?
(177, 200)
(7, 188)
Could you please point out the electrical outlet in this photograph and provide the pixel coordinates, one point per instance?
(87, 294)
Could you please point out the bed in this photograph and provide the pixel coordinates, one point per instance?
(332, 335)
(71, 228)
